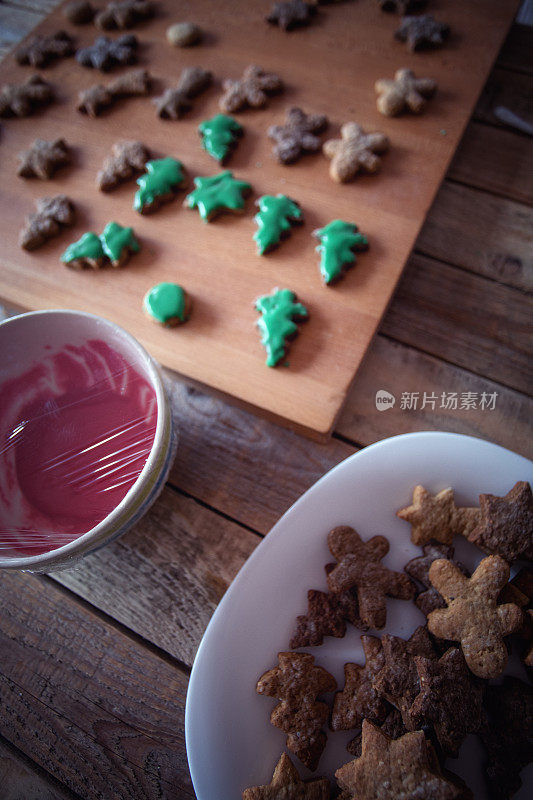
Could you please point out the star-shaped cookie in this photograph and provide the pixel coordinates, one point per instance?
(447, 685)
(421, 32)
(287, 784)
(505, 526)
(291, 14)
(405, 93)
(298, 135)
(473, 616)
(389, 769)
(437, 517)
(359, 565)
(355, 151)
(397, 681)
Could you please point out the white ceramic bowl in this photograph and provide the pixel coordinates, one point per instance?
(28, 338)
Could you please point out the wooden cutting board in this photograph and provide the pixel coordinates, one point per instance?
(329, 67)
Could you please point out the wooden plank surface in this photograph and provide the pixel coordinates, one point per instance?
(142, 603)
(219, 346)
(109, 721)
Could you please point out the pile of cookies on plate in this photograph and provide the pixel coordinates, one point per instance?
(413, 702)
(160, 180)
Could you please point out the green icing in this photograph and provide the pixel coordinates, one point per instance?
(217, 192)
(276, 322)
(274, 220)
(165, 302)
(89, 247)
(219, 134)
(338, 241)
(115, 239)
(162, 176)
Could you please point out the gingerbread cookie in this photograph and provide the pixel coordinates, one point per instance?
(251, 91)
(277, 325)
(219, 136)
(359, 565)
(217, 193)
(163, 178)
(505, 526)
(123, 14)
(287, 784)
(405, 93)
(291, 14)
(127, 158)
(397, 681)
(298, 135)
(437, 517)
(114, 245)
(53, 214)
(339, 242)
(353, 152)
(20, 100)
(446, 686)
(296, 682)
(389, 769)
(418, 569)
(95, 99)
(43, 159)
(168, 303)
(42, 50)
(276, 216)
(79, 12)
(422, 32)
(358, 699)
(174, 102)
(473, 616)
(107, 53)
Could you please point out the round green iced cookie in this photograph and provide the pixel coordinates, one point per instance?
(167, 303)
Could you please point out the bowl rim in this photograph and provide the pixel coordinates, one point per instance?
(147, 478)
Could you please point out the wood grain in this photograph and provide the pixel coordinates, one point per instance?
(497, 160)
(164, 579)
(450, 314)
(218, 348)
(21, 781)
(480, 232)
(85, 701)
(508, 424)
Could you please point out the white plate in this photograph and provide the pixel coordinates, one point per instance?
(230, 741)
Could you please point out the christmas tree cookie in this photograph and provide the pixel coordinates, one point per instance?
(219, 135)
(158, 185)
(217, 193)
(167, 303)
(278, 312)
(114, 245)
(339, 241)
(274, 220)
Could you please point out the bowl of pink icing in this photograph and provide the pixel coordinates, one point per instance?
(86, 436)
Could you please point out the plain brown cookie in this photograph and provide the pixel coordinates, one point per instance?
(505, 526)
(437, 517)
(358, 699)
(297, 682)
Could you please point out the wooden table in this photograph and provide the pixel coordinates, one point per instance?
(94, 661)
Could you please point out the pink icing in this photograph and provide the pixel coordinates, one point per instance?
(75, 432)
